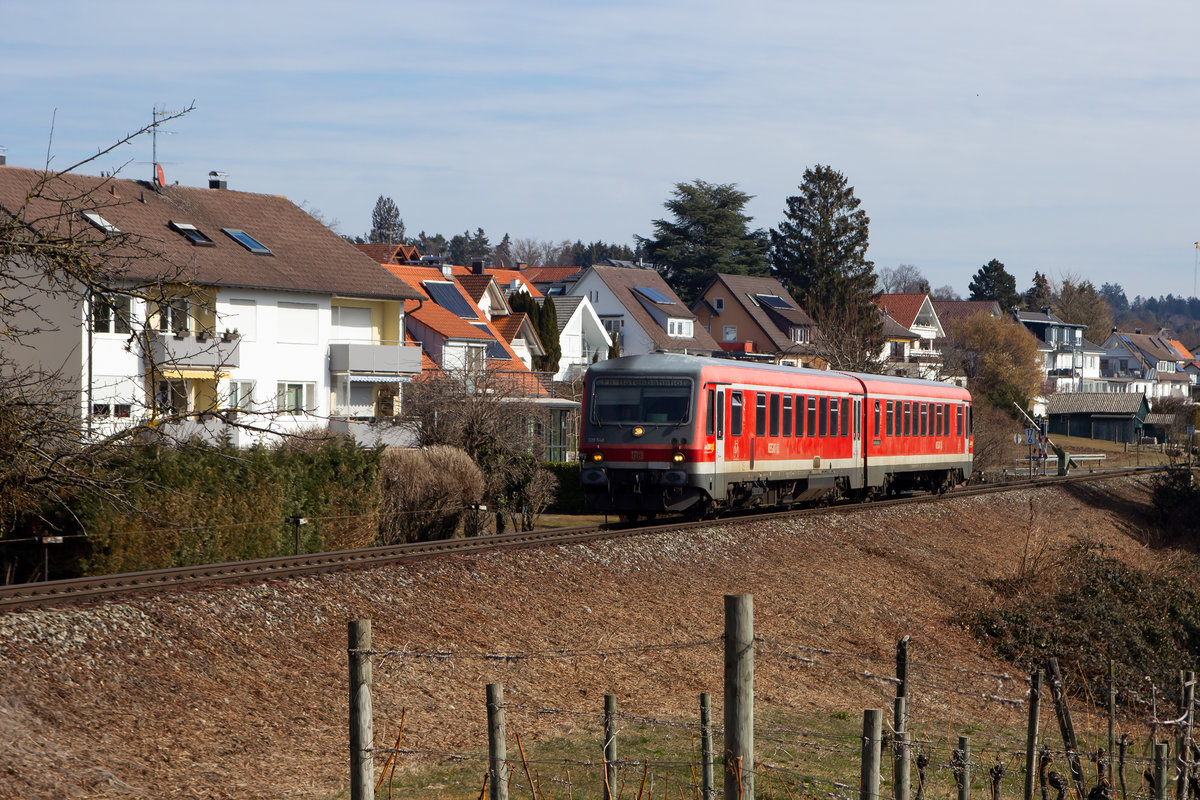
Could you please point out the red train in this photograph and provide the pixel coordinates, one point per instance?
(676, 433)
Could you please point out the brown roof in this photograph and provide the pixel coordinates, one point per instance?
(621, 281)
(1156, 347)
(1120, 403)
(509, 326)
(774, 322)
(903, 308)
(304, 254)
(391, 253)
(475, 285)
(549, 274)
(893, 330)
(953, 310)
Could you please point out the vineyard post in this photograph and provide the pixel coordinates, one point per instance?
(872, 734)
(707, 792)
(1065, 726)
(739, 696)
(1031, 736)
(961, 760)
(1112, 718)
(901, 773)
(610, 746)
(362, 763)
(497, 744)
(1160, 771)
(1187, 688)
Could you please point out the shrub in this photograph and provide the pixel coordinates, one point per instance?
(425, 494)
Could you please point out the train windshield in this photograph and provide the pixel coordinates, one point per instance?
(663, 401)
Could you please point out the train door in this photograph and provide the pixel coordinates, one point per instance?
(856, 444)
(718, 403)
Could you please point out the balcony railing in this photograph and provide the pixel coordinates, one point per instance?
(195, 349)
(388, 358)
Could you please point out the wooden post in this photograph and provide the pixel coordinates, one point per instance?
(1187, 687)
(739, 696)
(961, 761)
(610, 746)
(362, 763)
(868, 785)
(1112, 718)
(1031, 735)
(1121, 764)
(901, 711)
(1160, 771)
(707, 790)
(1065, 726)
(497, 744)
(903, 772)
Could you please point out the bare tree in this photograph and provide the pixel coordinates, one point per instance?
(904, 279)
(946, 292)
(539, 253)
(849, 342)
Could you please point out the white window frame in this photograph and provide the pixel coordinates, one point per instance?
(241, 394)
(308, 389)
(679, 328)
(117, 306)
(729, 333)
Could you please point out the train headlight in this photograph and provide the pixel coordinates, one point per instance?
(597, 457)
(677, 457)
(638, 430)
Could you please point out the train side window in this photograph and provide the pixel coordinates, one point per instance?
(907, 418)
(958, 420)
(970, 420)
(823, 418)
(735, 414)
(787, 416)
(924, 419)
(812, 417)
(760, 415)
(721, 414)
(945, 419)
(834, 409)
(878, 414)
(857, 419)
(891, 417)
(846, 405)
(773, 428)
(710, 415)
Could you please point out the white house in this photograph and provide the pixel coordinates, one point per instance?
(581, 335)
(227, 307)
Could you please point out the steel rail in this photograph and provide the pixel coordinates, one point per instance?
(75, 590)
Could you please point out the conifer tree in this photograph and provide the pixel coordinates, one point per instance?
(993, 282)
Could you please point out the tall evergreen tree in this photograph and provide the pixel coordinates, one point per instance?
(1039, 295)
(993, 282)
(386, 225)
(820, 252)
(709, 234)
(547, 329)
(502, 256)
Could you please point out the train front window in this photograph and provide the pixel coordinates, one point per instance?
(665, 401)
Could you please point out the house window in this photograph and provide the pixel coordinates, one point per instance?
(112, 313)
(241, 395)
(679, 328)
(190, 232)
(172, 314)
(800, 335)
(298, 323)
(172, 397)
(101, 223)
(897, 351)
(729, 333)
(295, 398)
(719, 303)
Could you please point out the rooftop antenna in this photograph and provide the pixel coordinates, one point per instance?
(158, 178)
(1195, 267)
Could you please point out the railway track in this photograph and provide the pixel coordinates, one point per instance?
(77, 590)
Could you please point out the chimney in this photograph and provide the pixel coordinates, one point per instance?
(1138, 331)
(218, 180)
(476, 266)
(448, 271)
(1046, 310)
(3, 157)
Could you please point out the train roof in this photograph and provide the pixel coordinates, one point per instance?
(680, 364)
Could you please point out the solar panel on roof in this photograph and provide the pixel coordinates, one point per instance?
(653, 295)
(772, 300)
(494, 348)
(450, 298)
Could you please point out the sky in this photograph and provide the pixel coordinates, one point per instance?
(1058, 137)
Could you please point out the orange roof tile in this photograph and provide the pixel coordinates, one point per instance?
(505, 277)
(509, 326)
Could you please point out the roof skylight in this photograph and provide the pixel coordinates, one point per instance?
(772, 300)
(191, 233)
(101, 223)
(247, 241)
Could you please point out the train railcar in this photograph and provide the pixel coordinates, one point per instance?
(675, 433)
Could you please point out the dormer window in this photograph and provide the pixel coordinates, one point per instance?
(101, 223)
(247, 241)
(190, 232)
(679, 328)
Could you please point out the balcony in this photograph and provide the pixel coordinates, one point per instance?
(375, 359)
(195, 349)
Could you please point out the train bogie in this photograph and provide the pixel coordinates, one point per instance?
(673, 433)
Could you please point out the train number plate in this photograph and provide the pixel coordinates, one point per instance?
(637, 455)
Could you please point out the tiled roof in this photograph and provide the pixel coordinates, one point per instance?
(305, 255)
(1121, 403)
(775, 323)
(1161, 420)
(505, 277)
(1178, 345)
(893, 330)
(549, 274)
(621, 282)
(391, 253)
(475, 285)
(1155, 347)
(564, 308)
(508, 327)
(903, 308)
(954, 310)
